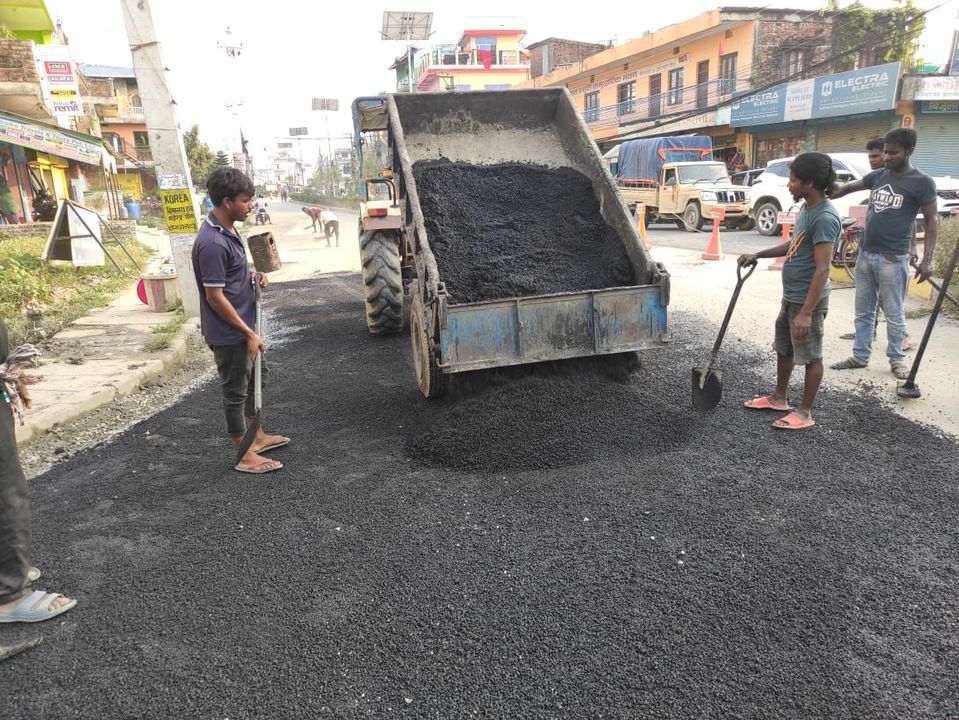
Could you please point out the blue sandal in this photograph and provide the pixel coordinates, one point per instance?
(35, 608)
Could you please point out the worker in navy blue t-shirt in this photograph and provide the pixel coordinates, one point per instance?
(899, 191)
(228, 310)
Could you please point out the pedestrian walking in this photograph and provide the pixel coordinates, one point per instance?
(805, 278)
(228, 311)
(18, 603)
(899, 191)
(331, 225)
(313, 213)
(875, 156)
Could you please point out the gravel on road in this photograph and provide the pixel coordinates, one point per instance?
(657, 563)
(514, 229)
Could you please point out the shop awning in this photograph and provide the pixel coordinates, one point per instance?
(50, 139)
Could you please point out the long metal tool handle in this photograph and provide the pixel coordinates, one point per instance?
(729, 310)
(258, 363)
(947, 278)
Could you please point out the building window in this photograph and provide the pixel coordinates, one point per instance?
(115, 141)
(591, 106)
(486, 51)
(792, 63)
(727, 73)
(141, 138)
(626, 98)
(675, 87)
(655, 95)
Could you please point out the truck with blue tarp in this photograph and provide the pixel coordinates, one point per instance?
(399, 255)
(676, 179)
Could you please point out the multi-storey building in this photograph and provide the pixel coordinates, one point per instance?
(488, 57)
(44, 157)
(682, 78)
(113, 92)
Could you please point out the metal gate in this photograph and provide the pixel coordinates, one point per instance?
(850, 136)
(937, 150)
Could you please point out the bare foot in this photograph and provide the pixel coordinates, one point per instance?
(253, 461)
(263, 440)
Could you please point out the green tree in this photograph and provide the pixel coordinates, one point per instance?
(883, 35)
(221, 159)
(199, 156)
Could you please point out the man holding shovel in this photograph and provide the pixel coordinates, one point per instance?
(228, 311)
(805, 277)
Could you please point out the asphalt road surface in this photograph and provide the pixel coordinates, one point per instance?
(604, 552)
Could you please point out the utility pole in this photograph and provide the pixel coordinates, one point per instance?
(166, 141)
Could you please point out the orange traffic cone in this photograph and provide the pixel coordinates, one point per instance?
(777, 264)
(714, 251)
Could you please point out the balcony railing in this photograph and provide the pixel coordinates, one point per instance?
(671, 102)
(135, 111)
(453, 57)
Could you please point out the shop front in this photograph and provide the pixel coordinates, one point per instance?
(935, 116)
(852, 135)
(43, 164)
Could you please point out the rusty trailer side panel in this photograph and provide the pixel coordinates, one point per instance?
(551, 327)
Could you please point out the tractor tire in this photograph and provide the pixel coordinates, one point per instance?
(383, 282)
(432, 381)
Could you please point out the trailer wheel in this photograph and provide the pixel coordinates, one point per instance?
(383, 282)
(432, 380)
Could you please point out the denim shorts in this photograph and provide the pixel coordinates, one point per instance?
(809, 349)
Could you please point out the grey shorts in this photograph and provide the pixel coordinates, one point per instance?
(809, 349)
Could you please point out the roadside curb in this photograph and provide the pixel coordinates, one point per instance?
(45, 420)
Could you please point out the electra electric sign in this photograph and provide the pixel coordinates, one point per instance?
(858, 91)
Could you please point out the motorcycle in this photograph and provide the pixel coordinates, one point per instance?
(263, 217)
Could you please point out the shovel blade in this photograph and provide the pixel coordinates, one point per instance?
(707, 387)
(908, 390)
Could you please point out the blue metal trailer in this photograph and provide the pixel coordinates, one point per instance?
(538, 126)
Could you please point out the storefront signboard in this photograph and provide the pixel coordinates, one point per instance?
(48, 140)
(858, 91)
(940, 106)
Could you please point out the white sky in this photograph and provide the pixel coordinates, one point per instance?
(294, 51)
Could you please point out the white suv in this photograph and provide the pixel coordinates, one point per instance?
(770, 193)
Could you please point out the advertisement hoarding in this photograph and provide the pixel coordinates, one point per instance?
(58, 78)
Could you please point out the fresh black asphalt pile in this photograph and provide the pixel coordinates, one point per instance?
(551, 418)
(513, 229)
(712, 568)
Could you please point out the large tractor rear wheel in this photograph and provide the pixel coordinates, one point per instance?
(430, 377)
(383, 282)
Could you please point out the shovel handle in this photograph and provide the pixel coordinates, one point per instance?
(258, 363)
(740, 279)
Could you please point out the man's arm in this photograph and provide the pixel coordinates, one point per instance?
(822, 254)
(930, 213)
(779, 250)
(222, 307)
(849, 187)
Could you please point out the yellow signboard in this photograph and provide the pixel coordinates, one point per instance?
(179, 211)
(130, 184)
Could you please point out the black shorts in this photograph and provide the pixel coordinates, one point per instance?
(809, 349)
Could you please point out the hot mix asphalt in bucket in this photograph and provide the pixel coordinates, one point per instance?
(515, 229)
(731, 571)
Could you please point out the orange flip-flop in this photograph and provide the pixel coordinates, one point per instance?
(764, 403)
(792, 421)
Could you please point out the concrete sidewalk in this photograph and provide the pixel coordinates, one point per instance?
(101, 357)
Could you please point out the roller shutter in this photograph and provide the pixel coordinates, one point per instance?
(850, 136)
(937, 151)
